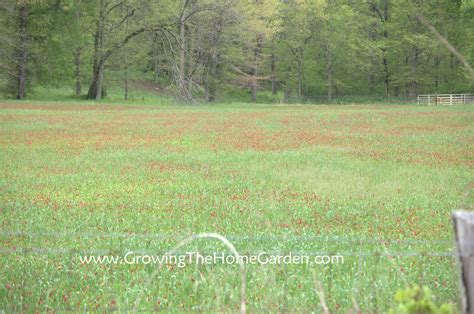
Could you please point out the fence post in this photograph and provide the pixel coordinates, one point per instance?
(464, 232)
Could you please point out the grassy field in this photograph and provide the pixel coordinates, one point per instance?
(375, 184)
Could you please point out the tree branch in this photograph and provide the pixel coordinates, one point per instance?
(119, 45)
(445, 42)
(114, 7)
(376, 10)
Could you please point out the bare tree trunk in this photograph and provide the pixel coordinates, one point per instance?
(299, 78)
(386, 80)
(254, 71)
(416, 52)
(77, 53)
(213, 63)
(100, 69)
(77, 71)
(100, 80)
(210, 86)
(328, 58)
(436, 64)
(125, 63)
(385, 59)
(92, 92)
(23, 50)
(287, 93)
(209, 82)
(300, 71)
(329, 78)
(191, 32)
(95, 90)
(190, 60)
(156, 58)
(180, 68)
(182, 52)
(407, 84)
(272, 67)
(414, 83)
(125, 81)
(253, 89)
(371, 76)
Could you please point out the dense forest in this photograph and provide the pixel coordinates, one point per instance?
(209, 49)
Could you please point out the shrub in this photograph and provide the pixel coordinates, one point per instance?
(419, 300)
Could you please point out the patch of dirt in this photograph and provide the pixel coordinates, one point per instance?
(149, 87)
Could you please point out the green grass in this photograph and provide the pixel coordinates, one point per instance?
(375, 184)
(115, 95)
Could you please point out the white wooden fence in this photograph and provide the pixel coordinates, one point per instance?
(446, 99)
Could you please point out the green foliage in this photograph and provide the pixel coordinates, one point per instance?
(419, 300)
(306, 48)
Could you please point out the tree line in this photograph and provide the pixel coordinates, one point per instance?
(208, 49)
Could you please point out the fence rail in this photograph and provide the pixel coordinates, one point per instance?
(445, 99)
(350, 99)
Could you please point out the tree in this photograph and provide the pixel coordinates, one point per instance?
(26, 27)
(296, 31)
(108, 39)
(381, 10)
(79, 37)
(254, 37)
(214, 48)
